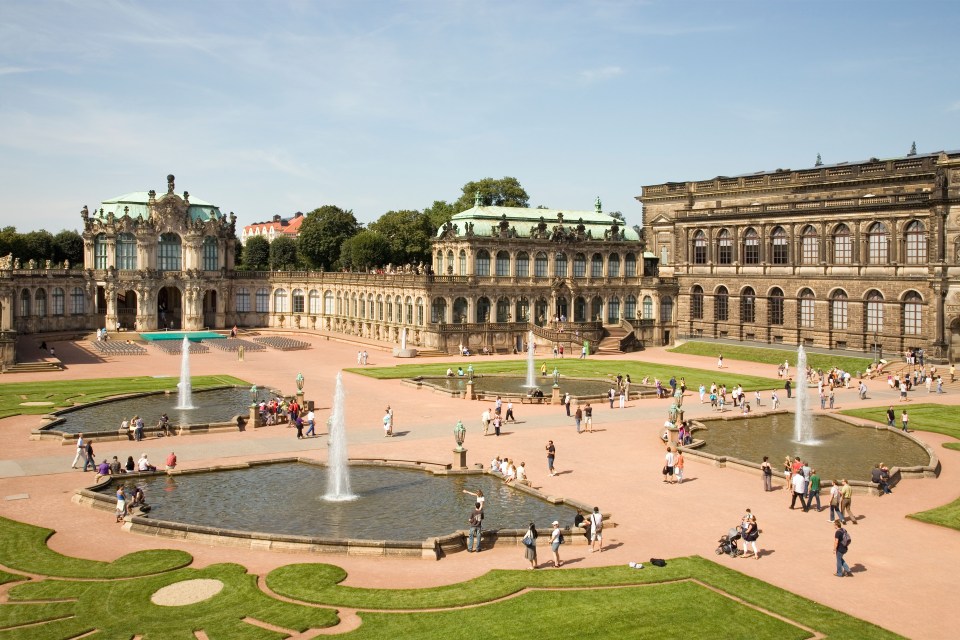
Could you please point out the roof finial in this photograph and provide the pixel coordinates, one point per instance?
(819, 162)
(913, 149)
(170, 184)
(476, 198)
(598, 205)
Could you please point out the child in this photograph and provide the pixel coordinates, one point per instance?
(775, 400)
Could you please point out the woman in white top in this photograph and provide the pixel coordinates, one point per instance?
(555, 543)
(478, 495)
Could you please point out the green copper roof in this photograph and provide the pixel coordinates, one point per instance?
(486, 220)
(135, 205)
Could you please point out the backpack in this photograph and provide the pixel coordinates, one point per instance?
(560, 538)
(845, 540)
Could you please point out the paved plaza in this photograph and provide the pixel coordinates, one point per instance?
(904, 568)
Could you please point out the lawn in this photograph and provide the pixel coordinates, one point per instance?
(773, 357)
(936, 418)
(576, 368)
(689, 598)
(946, 516)
(67, 393)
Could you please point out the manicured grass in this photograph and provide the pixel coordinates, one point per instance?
(23, 547)
(9, 577)
(946, 516)
(937, 418)
(67, 393)
(772, 357)
(576, 368)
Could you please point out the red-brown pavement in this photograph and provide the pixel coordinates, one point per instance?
(904, 569)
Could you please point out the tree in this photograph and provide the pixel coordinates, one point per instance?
(68, 245)
(322, 233)
(283, 254)
(616, 215)
(439, 213)
(10, 242)
(408, 234)
(365, 250)
(505, 192)
(256, 253)
(37, 245)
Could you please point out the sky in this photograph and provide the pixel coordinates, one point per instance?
(273, 107)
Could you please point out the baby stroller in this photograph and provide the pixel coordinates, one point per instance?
(728, 543)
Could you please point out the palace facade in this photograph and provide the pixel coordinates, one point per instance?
(862, 255)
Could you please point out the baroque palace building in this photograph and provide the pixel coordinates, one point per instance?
(862, 255)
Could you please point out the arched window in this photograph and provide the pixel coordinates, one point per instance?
(361, 307)
(380, 308)
(211, 254)
(596, 266)
(503, 264)
(540, 265)
(314, 298)
(748, 305)
(298, 301)
(389, 309)
(449, 270)
(613, 310)
(779, 249)
(724, 247)
(40, 298)
(842, 245)
(916, 243)
(126, 251)
(354, 307)
(579, 265)
(503, 310)
(877, 244)
(806, 309)
(58, 300)
(409, 303)
(168, 252)
(24, 308)
(838, 310)
(77, 302)
(666, 310)
(647, 308)
(438, 311)
(328, 305)
(281, 304)
(419, 311)
(522, 309)
(438, 263)
(613, 265)
(243, 300)
(262, 300)
(460, 310)
(398, 302)
(912, 313)
(696, 302)
(775, 306)
(579, 309)
(482, 264)
(721, 304)
(630, 265)
(483, 309)
(874, 312)
(340, 304)
(100, 251)
(596, 309)
(561, 265)
(463, 263)
(699, 247)
(523, 265)
(540, 312)
(809, 245)
(751, 247)
(630, 307)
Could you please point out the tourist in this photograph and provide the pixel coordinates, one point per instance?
(311, 422)
(588, 417)
(905, 421)
(841, 543)
(788, 387)
(551, 456)
(953, 373)
(143, 464)
(386, 423)
(623, 397)
(891, 417)
(495, 464)
(298, 423)
(171, 461)
(787, 469)
(767, 472)
(476, 528)
(846, 501)
(137, 428)
(522, 474)
(89, 460)
(813, 490)
(485, 420)
(556, 539)
(479, 493)
(862, 390)
(509, 417)
(566, 403)
(530, 546)
(131, 466)
(774, 400)
(749, 532)
(497, 405)
(939, 384)
(678, 466)
(703, 392)
(81, 451)
(835, 496)
(903, 392)
(580, 522)
(115, 467)
(163, 425)
(121, 504)
(103, 470)
(610, 396)
(460, 372)
(497, 423)
(668, 464)
(799, 484)
(543, 370)
(583, 352)
(578, 417)
(880, 479)
(720, 361)
(830, 397)
(449, 372)
(596, 530)
(756, 396)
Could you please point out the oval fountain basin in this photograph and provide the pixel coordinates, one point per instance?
(839, 449)
(517, 386)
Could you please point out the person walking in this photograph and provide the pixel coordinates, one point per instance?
(386, 423)
(485, 419)
(668, 465)
(551, 456)
(846, 501)
(596, 531)
(566, 403)
(788, 387)
(799, 484)
(841, 543)
(767, 471)
(720, 361)
(774, 400)
(81, 451)
(556, 539)
(476, 528)
(813, 490)
(835, 501)
(90, 460)
(830, 398)
(311, 423)
(577, 417)
(588, 418)
(530, 546)
(623, 397)
(905, 421)
(891, 417)
(749, 531)
(509, 417)
(610, 396)
(678, 466)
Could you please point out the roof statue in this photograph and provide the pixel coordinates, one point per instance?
(170, 183)
(598, 205)
(913, 149)
(476, 198)
(819, 162)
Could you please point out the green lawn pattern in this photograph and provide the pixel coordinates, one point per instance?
(773, 357)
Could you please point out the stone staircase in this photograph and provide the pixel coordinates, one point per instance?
(610, 343)
(33, 367)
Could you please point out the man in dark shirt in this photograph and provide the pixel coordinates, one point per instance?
(476, 528)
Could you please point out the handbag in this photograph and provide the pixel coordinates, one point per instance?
(664, 470)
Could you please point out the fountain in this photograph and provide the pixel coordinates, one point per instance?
(802, 420)
(402, 351)
(338, 470)
(184, 390)
(403, 339)
(531, 373)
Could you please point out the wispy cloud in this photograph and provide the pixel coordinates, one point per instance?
(7, 70)
(954, 107)
(601, 74)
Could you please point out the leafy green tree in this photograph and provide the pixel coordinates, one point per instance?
(283, 254)
(505, 192)
(256, 253)
(37, 245)
(68, 245)
(408, 233)
(323, 232)
(439, 213)
(365, 250)
(616, 215)
(10, 242)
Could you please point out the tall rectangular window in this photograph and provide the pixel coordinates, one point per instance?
(77, 302)
(58, 300)
(262, 300)
(243, 300)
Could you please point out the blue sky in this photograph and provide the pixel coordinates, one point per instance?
(272, 107)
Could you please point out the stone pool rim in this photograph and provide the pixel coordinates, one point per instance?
(637, 390)
(432, 548)
(930, 470)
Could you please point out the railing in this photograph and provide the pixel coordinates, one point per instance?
(629, 342)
